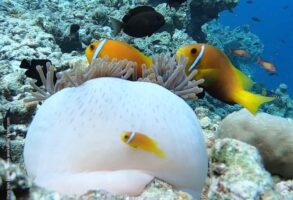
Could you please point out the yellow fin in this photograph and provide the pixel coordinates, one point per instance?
(249, 100)
(246, 82)
(209, 76)
(159, 152)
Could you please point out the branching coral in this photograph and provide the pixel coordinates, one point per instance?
(164, 71)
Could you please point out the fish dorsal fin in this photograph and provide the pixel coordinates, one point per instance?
(246, 82)
(209, 76)
(137, 10)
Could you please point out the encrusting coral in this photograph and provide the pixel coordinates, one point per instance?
(164, 71)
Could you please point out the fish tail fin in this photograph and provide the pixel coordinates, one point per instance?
(116, 25)
(250, 101)
(246, 82)
(159, 152)
(25, 64)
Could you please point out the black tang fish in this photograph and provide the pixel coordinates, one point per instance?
(139, 22)
(32, 71)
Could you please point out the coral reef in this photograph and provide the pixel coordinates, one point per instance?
(204, 11)
(13, 177)
(215, 107)
(266, 132)
(285, 189)
(238, 172)
(226, 39)
(40, 29)
(282, 105)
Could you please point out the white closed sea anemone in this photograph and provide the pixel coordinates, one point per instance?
(73, 144)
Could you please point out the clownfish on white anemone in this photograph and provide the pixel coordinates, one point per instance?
(115, 49)
(72, 154)
(142, 141)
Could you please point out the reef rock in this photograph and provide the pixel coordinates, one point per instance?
(285, 189)
(18, 183)
(272, 135)
(74, 139)
(203, 11)
(237, 172)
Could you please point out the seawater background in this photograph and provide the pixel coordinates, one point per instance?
(276, 32)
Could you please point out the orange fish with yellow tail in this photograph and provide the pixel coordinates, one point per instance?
(222, 80)
(268, 66)
(142, 141)
(119, 50)
(240, 53)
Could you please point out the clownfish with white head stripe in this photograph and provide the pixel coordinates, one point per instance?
(222, 80)
(119, 50)
(143, 142)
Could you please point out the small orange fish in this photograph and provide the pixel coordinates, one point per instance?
(240, 53)
(142, 141)
(119, 50)
(268, 66)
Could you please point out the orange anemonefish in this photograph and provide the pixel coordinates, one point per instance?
(142, 141)
(222, 80)
(268, 66)
(119, 50)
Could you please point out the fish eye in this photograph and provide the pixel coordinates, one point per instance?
(126, 137)
(92, 47)
(193, 51)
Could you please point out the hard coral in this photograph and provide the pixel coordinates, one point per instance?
(237, 172)
(203, 11)
(266, 132)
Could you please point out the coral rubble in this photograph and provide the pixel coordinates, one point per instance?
(237, 172)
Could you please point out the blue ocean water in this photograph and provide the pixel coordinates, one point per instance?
(275, 30)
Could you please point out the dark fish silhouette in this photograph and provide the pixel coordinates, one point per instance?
(5, 120)
(285, 7)
(70, 41)
(249, 2)
(139, 22)
(32, 71)
(74, 28)
(175, 3)
(256, 19)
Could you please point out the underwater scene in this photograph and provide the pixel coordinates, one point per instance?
(146, 99)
